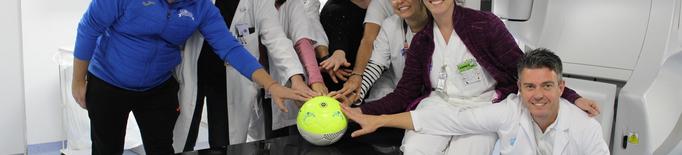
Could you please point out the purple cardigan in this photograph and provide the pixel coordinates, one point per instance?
(488, 40)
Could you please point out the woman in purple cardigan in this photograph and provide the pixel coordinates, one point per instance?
(464, 58)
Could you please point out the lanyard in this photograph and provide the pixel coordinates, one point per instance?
(405, 45)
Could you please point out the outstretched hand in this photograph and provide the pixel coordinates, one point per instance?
(334, 62)
(320, 88)
(345, 100)
(279, 93)
(368, 123)
(352, 88)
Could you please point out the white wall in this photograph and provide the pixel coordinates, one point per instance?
(47, 25)
(12, 116)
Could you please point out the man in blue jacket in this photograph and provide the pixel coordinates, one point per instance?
(128, 49)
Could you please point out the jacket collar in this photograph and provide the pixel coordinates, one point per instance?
(527, 125)
(181, 3)
(561, 127)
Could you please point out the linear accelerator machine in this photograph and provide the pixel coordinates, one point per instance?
(625, 54)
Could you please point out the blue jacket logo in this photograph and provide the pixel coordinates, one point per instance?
(512, 141)
(184, 12)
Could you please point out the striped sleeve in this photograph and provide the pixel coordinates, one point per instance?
(371, 75)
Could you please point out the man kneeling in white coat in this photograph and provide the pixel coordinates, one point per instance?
(538, 121)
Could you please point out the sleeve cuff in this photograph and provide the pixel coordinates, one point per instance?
(415, 123)
(372, 21)
(84, 48)
(314, 78)
(368, 110)
(573, 98)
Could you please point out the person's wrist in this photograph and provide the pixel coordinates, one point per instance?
(339, 53)
(297, 78)
(316, 83)
(382, 120)
(352, 74)
(323, 58)
(356, 110)
(79, 81)
(269, 86)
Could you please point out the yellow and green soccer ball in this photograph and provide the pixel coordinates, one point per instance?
(320, 121)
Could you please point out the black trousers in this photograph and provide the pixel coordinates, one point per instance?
(212, 86)
(267, 113)
(155, 110)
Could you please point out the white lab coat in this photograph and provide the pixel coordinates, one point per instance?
(312, 11)
(241, 92)
(387, 53)
(296, 26)
(378, 11)
(576, 132)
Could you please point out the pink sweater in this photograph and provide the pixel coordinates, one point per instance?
(306, 53)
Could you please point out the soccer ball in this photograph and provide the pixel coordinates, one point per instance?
(320, 121)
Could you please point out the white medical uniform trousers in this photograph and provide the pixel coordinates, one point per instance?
(242, 96)
(415, 143)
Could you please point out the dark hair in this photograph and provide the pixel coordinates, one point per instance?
(540, 58)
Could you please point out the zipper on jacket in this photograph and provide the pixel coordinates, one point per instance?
(153, 54)
(168, 10)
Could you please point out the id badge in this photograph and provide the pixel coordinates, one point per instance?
(469, 71)
(442, 76)
(404, 49)
(242, 29)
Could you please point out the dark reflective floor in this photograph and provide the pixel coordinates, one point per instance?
(296, 145)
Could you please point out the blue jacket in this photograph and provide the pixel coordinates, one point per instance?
(135, 44)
